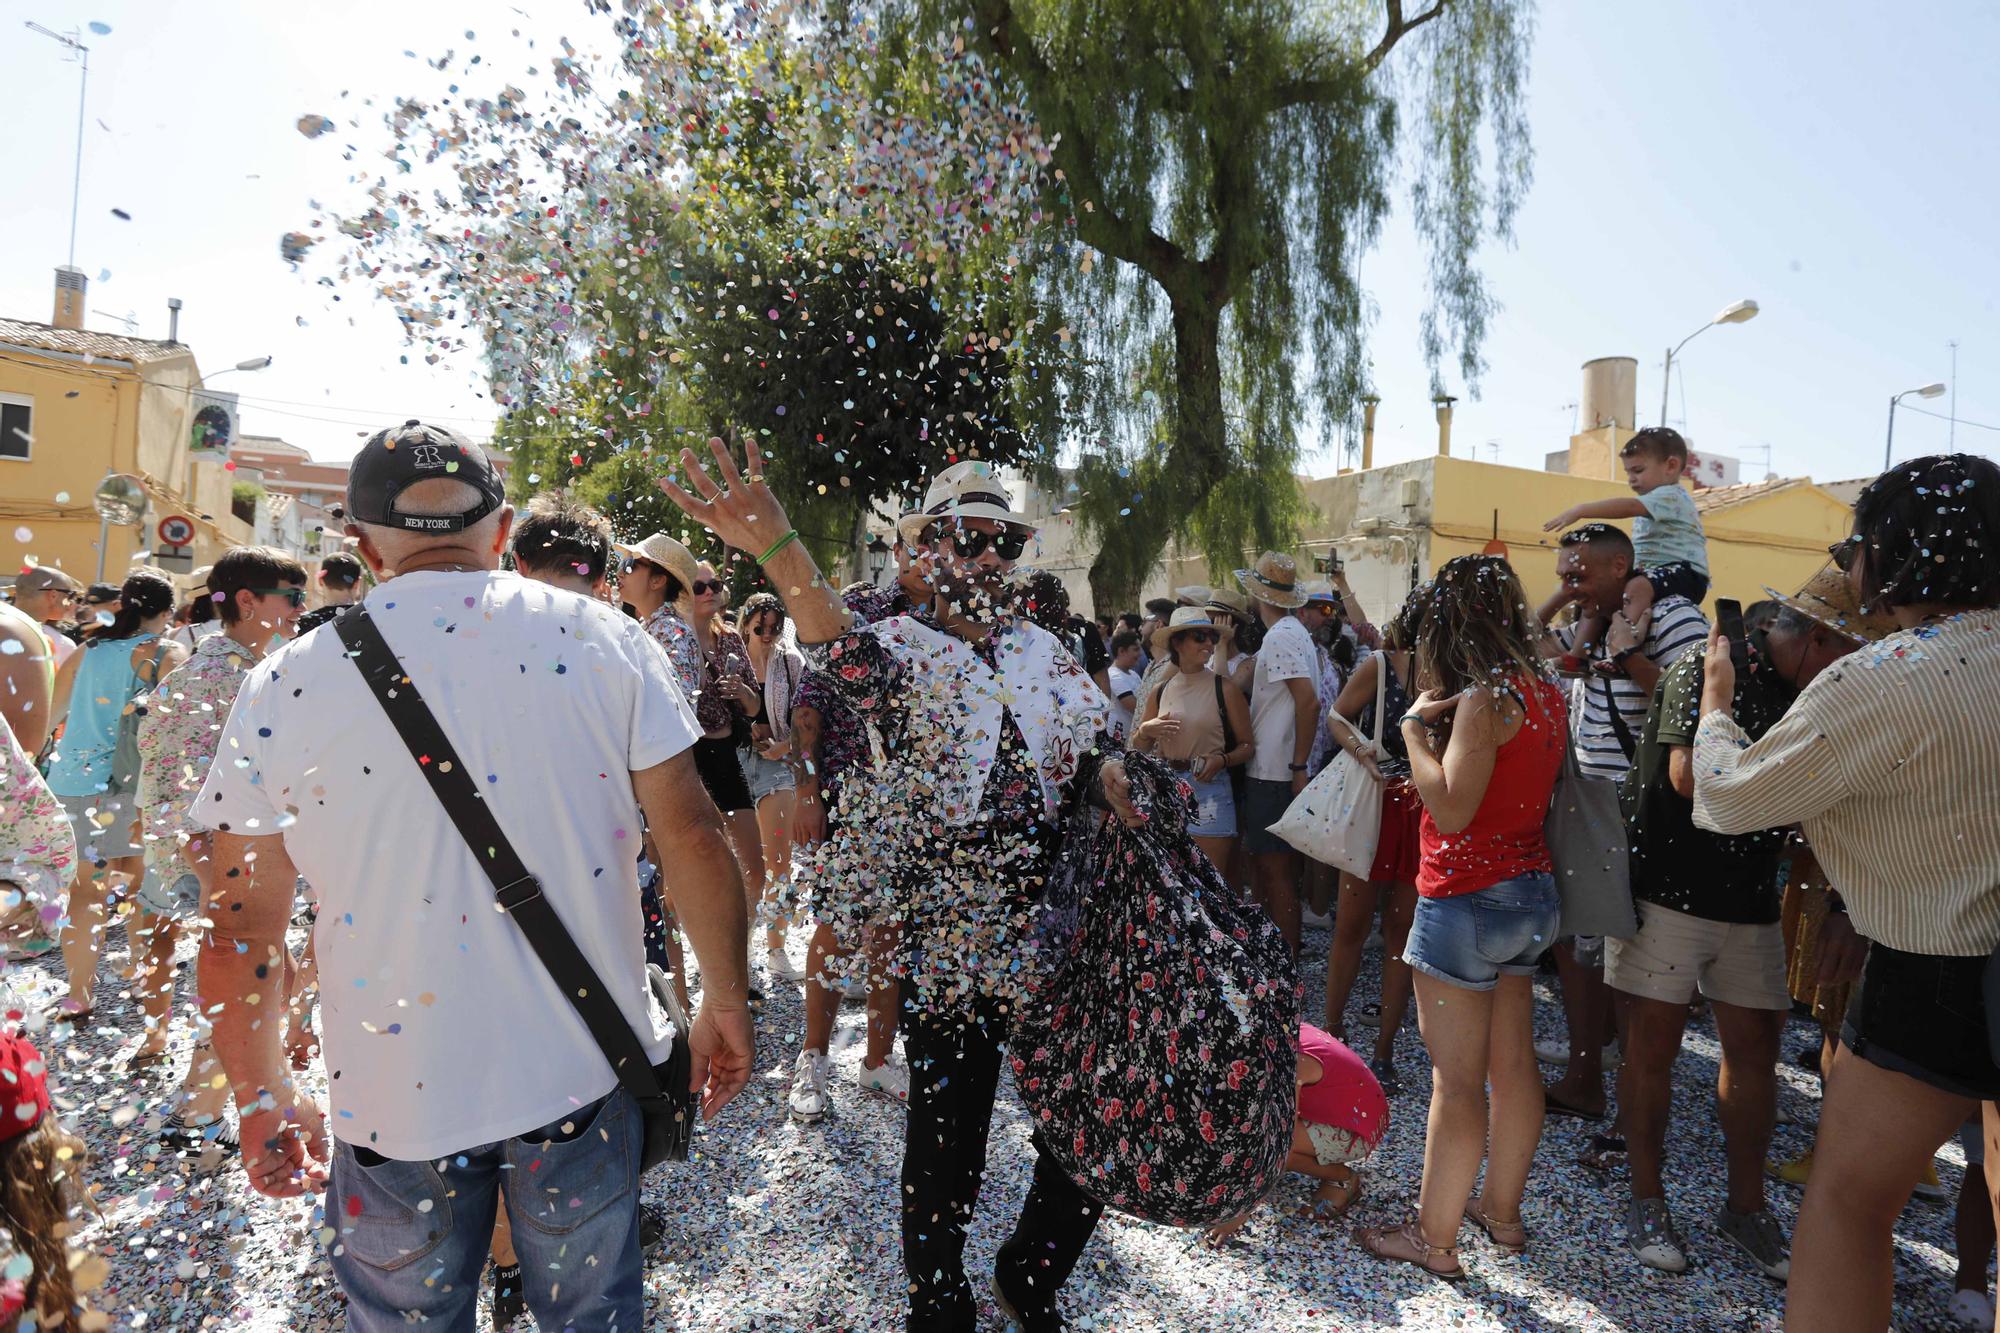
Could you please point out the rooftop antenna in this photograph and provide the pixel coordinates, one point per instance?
(130, 319)
(73, 41)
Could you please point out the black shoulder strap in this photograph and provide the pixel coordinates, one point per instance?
(1222, 710)
(1619, 726)
(515, 889)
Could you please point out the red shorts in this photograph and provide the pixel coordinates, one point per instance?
(1398, 853)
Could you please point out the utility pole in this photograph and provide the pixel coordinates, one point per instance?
(1951, 441)
(71, 40)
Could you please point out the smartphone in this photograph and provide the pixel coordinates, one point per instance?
(1729, 619)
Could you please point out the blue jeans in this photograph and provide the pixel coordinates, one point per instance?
(1474, 939)
(411, 1238)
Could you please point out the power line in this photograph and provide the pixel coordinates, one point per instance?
(1926, 412)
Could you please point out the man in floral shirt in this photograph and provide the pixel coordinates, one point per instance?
(997, 739)
(259, 593)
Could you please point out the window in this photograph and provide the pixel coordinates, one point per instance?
(17, 425)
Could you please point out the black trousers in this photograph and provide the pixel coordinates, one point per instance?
(954, 1061)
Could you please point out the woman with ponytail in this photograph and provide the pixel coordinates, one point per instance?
(94, 770)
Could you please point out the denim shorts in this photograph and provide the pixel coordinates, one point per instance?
(1214, 807)
(1474, 939)
(765, 776)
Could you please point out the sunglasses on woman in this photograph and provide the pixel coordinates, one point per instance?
(701, 587)
(766, 632)
(970, 545)
(1199, 635)
(296, 596)
(1843, 553)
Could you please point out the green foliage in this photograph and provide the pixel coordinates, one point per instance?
(243, 498)
(1238, 158)
(736, 305)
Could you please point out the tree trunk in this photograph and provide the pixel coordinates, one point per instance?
(1194, 460)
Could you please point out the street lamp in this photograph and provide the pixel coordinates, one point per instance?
(251, 363)
(1934, 390)
(1739, 313)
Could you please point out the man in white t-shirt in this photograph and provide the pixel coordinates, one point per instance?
(1284, 714)
(452, 1055)
(1126, 678)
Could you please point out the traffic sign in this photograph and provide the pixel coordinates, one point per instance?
(176, 530)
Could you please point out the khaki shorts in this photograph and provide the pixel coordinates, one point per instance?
(1674, 952)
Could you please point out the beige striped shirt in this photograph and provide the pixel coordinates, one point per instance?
(1891, 761)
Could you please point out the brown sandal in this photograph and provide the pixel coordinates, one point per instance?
(1406, 1244)
(1509, 1236)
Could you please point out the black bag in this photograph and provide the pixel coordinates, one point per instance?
(666, 1101)
(1158, 1059)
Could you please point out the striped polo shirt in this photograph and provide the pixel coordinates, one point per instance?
(1678, 628)
(1891, 761)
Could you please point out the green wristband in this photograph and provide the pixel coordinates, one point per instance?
(791, 535)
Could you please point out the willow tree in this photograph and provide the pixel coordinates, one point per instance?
(1236, 158)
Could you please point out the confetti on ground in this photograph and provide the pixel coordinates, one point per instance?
(777, 1225)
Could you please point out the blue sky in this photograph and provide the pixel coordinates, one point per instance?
(1834, 162)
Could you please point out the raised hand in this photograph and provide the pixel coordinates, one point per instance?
(741, 510)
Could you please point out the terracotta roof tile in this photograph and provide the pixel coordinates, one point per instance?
(1722, 497)
(83, 342)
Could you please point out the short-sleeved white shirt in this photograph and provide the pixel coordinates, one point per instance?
(441, 1029)
(1287, 654)
(1124, 682)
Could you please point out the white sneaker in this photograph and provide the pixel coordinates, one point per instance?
(1312, 920)
(809, 1095)
(779, 965)
(1556, 1052)
(1971, 1309)
(887, 1079)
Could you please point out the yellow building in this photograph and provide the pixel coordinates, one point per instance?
(78, 406)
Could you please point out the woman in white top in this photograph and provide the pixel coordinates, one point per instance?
(1890, 763)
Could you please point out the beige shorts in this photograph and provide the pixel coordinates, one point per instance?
(1333, 1146)
(1674, 952)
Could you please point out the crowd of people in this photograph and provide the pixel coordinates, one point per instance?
(865, 791)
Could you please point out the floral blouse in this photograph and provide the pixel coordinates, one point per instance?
(37, 847)
(714, 709)
(179, 738)
(843, 736)
(672, 632)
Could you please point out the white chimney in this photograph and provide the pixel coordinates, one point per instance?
(70, 285)
(173, 319)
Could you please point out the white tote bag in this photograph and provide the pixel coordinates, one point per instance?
(1337, 819)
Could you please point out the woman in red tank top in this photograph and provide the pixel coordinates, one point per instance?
(1486, 741)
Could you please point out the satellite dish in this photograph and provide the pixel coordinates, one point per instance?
(120, 499)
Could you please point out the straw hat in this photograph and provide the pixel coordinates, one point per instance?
(1829, 599)
(1319, 590)
(1195, 594)
(1184, 618)
(963, 490)
(1275, 579)
(667, 553)
(1235, 603)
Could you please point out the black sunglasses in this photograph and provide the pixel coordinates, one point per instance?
(296, 596)
(700, 586)
(1006, 545)
(1843, 553)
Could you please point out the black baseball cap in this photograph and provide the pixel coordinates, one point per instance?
(399, 457)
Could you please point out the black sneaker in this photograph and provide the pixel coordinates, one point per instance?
(1385, 1074)
(652, 1228)
(509, 1301)
(1026, 1316)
